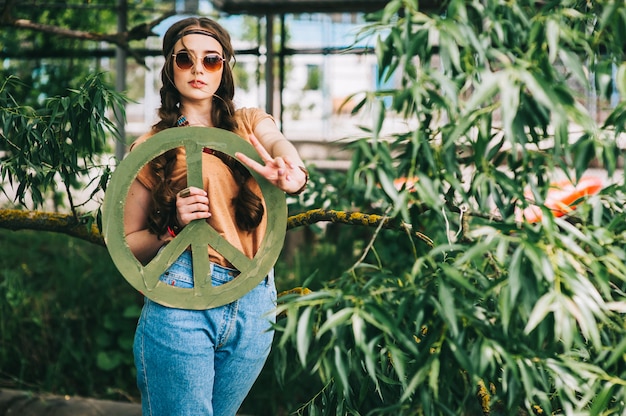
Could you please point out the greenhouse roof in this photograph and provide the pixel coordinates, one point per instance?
(297, 6)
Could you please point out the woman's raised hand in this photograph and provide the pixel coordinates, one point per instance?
(279, 171)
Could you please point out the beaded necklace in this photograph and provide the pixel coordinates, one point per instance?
(182, 122)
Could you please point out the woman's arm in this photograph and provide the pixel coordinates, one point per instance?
(275, 142)
(143, 244)
(283, 166)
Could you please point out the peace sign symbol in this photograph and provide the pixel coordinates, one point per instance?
(198, 234)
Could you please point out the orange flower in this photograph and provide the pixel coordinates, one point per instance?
(562, 197)
(408, 182)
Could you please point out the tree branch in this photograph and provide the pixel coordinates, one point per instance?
(118, 39)
(74, 227)
(122, 40)
(15, 220)
(352, 218)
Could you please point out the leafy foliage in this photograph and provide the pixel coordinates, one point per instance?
(501, 316)
(58, 143)
(67, 318)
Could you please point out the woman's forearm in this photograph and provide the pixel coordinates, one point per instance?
(145, 245)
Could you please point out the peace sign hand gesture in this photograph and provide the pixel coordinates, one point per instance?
(280, 171)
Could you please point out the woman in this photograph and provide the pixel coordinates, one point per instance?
(192, 362)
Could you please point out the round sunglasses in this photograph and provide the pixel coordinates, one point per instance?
(212, 62)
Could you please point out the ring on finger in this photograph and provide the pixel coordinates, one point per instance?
(184, 193)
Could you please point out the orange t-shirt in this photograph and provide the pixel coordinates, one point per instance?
(221, 188)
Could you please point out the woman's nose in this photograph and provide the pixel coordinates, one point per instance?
(197, 68)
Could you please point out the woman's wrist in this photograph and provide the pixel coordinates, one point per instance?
(306, 181)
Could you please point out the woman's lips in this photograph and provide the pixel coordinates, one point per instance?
(197, 84)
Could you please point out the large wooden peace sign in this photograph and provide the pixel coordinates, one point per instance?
(198, 234)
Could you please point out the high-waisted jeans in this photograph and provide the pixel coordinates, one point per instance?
(202, 362)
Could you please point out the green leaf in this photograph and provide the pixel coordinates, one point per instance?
(620, 79)
(485, 91)
(602, 399)
(341, 369)
(358, 330)
(303, 335)
(434, 376)
(335, 320)
(552, 36)
(448, 310)
(542, 308)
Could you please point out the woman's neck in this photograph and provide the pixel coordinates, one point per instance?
(197, 116)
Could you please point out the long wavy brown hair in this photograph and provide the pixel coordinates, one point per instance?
(248, 206)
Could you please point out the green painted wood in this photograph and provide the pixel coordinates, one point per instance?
(196, 235)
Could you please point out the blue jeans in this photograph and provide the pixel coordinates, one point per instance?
(202, 363)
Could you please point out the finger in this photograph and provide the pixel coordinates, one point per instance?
(189, 216)
(187, 212)
(251, 163)
(265, 156)
(192, 203)
(280, 166)
(190, 191)
(190, 200)
(184, 193)
(200, 206)
(288, 162)
(185, 219)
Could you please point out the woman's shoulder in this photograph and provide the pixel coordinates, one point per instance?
(250, 116)
(141, 139)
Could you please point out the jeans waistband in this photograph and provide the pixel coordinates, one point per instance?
(221, 273)
(180, 273)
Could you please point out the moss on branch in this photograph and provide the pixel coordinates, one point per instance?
(13, 219)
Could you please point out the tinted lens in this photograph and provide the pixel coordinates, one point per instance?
(183, 60)
(212, 63)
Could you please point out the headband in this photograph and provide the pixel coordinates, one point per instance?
(195, 32)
